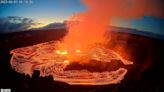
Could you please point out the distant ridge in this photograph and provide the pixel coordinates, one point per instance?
(136, 32)
(56, 26)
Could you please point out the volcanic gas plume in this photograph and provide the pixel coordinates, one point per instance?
(84, 44)
(93, 23)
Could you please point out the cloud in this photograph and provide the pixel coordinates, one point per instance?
(14, 23)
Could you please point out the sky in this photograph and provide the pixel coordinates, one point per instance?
(50, 11)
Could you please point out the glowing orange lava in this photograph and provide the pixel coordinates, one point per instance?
(91, 25)
(46, 58)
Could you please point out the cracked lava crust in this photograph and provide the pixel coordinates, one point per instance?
(96, 66)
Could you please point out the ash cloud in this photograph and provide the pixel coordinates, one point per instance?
(14, 23)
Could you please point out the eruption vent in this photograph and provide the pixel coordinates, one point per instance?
(81, 45)
(47, 59)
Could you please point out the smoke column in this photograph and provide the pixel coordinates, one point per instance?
(92, 24)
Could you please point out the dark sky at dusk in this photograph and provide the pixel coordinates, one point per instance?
(49, 11)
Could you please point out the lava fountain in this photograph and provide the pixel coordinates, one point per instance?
(84, 44)
(78, 58)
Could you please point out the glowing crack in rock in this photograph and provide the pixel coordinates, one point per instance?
(46, 58)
